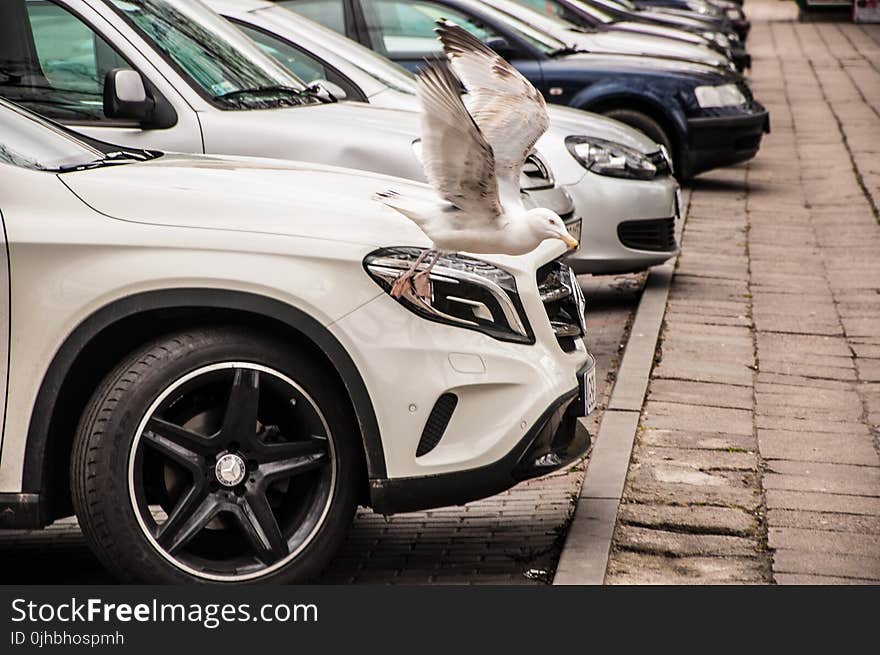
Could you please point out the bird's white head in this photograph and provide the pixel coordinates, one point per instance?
(546, 224)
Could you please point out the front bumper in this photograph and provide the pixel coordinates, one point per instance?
(496, 390)
(715, 141)
(555, 440)
(611, 208)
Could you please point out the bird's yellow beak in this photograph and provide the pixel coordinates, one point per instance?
(570, 241)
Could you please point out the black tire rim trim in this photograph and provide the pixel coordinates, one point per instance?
(274, 554)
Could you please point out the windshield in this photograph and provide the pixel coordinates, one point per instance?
(372, 63)
(547, 44)
(547, 19)
(31, 142)
(558, 10)
(218, 61)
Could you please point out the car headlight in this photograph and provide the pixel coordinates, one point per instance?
(465, 292)
(725, 95)
(609, 158)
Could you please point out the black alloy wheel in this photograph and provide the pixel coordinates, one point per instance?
(231, 471)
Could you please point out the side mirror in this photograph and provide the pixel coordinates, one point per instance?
(126, 97)
(501, 46)
(331, 89)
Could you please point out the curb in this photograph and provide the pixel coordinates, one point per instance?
(587, 547)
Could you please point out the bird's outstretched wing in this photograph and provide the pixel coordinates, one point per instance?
(458, 161)
(508, 109)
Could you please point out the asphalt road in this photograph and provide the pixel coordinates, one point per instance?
(512, 538)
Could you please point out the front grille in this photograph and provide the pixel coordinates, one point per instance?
(653, 234)
(436, 424)
(535, 174)
(564, 302)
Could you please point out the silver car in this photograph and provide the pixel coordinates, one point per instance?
(174, 76)
(628, 222)
(611, 41)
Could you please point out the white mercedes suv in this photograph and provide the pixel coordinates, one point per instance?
(205, 364)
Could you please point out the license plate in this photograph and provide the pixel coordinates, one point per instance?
(588, 391)
(574, 228)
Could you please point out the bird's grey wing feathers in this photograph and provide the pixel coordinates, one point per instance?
(458, 161)
(508, 109)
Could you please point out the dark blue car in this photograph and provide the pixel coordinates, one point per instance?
(706, 117)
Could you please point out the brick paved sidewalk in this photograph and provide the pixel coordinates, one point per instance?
(757, 457)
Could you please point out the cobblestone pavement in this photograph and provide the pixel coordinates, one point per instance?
(757, 456)
(510, 538)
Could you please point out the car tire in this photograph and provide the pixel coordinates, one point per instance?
(644, 123)
(172, 430)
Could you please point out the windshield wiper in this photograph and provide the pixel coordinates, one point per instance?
(261, 90)
(566, 50)
(110, 159)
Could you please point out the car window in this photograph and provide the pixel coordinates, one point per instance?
(53, 62)
(596, 9)
(370, 62)
(405, 28)
(30, 142)
(212, 55)
(303, 64)
(306, 67)
(551, 8)
(329, 13)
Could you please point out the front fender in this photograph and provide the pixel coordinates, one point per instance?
(612, 93)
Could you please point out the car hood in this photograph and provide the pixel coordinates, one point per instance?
(250, 195)
(655, 66)
(266, 196)
(645, 44)
(679, 18)
(348, 134)
(658, 30)
(338, 134)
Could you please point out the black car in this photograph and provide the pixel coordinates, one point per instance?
(706, 117)
(617, 14)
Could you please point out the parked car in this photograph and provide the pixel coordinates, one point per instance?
(205, 364)
(628, 10)
(202, 87)
(609, 15)
(287, 122)
(713, 8)
(629, 207)
(589, 40)
(704, 116)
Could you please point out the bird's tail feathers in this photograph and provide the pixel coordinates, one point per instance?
(398, 203)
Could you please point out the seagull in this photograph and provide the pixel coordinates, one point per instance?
(474, 158)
